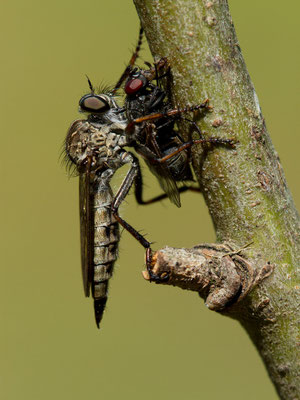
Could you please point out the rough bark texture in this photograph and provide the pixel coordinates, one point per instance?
(245, 189)
(217, 272)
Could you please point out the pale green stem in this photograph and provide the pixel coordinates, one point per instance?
(245, 189)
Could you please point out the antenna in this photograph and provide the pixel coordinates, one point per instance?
(90, 84)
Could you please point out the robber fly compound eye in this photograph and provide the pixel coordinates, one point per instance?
(93, 103)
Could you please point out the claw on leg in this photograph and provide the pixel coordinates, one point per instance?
(149, 274)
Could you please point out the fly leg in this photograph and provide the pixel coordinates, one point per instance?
(187, 145)
(182, 189)
(132, 174)
(122, 193)
(151, 157)
(171, 113)
(131, 61)
(153, 72)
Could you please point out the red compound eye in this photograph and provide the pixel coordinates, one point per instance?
(133, 86)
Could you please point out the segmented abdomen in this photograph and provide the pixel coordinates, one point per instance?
(106, 238)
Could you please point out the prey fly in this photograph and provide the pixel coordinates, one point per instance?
(152, 128)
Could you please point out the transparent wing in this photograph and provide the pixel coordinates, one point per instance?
(161, 171)
(86, 229)
(166, 181)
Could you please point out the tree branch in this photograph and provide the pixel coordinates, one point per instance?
(245, 189)
(217, 272)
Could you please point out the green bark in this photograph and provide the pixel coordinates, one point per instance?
(245, 189)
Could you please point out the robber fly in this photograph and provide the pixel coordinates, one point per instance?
(95, 147)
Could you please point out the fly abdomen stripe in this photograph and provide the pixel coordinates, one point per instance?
(103, 272)
(106, 235)
(100, 289)
(103, 215)
(105, 254)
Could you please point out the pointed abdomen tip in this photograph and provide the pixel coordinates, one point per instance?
(99, 307)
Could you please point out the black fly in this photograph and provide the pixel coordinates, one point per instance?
(152, 120)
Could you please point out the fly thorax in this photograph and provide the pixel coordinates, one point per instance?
(77, 142)
(178, 165)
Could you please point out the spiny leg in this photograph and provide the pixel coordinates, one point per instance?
(171, 113)
(120, 196)
(213, 140)
(187, 145)
(151, 157)
(131, 61)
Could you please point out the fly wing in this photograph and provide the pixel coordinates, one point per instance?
(166, 181)
(161, 171)
(86, 229)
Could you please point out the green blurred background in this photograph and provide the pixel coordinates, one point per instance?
(156, 342)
